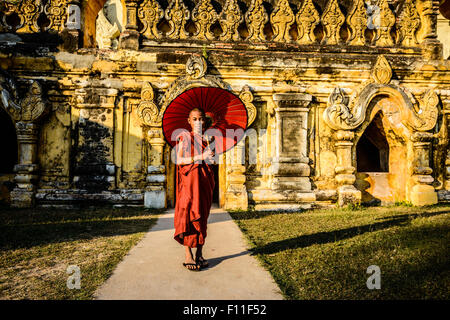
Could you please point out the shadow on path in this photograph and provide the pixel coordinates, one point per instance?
(215, 261)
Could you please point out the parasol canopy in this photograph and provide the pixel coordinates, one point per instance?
(227, 112)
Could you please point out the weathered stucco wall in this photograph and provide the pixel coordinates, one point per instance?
(313, 90)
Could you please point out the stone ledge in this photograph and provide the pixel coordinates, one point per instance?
(443, 195)
(76, 198)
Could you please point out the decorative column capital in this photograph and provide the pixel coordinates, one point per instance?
(285, 102)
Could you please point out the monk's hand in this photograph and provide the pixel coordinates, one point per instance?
(208, 156)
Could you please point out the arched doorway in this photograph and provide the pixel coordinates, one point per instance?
(381, 154)
(9, 157)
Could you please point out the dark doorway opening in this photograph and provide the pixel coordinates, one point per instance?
(9, 143)
(215, 198)
(372, 150)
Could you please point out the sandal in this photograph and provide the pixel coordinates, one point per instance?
(202, 262)
(189, 265)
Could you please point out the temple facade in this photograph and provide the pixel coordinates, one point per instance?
(348, 101)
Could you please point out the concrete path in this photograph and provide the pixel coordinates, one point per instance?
(153, 269)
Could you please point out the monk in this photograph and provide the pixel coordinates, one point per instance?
(194, 188)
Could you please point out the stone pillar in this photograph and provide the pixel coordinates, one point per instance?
(291, 170)
(26, 170)
(155, 191)
(236, 197)
(71, 33)
(422, 193)
(129, 38)
(94, 168)
(345, 171)
(427, 35)
(26, 115)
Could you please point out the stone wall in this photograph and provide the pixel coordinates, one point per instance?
(313, 75)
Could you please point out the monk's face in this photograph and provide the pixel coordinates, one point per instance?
(197, 121)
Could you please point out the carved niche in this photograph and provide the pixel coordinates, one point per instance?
(342, 115)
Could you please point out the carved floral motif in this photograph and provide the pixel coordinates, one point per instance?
(150, 13)
(357, 21)
(408, 24)
(256, 17)
(382, 71)
(307, 18)
(387, 21)
(147, 110)
(196, 67)
(28, 12)
(332, 19)
(230, 19)
(56, 13)
(177, 14)
(246, 97)
(282, 19)
(204, 17)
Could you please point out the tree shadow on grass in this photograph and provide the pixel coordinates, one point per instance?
(35, 227)
(337, 235)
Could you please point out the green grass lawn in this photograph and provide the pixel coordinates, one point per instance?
(324, 254)
(38, 245)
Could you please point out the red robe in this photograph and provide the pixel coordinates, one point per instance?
(194, 187)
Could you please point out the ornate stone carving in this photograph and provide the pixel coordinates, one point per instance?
(33, 106)
(382, 71)
(256, 17)
(246, 97)
(230, 19)
(307, 18)
(204, 16)
(8, 95)
(147, 110)
(30, 109)
(28, 12)
(196, 67)
(177, 14)
(332, 20)
(428, 20)
(105, 32)
(338, 115)
(357, 21)
(150, 13)
(409, 22)
(129, 38)
(387, 21)
(282, 19)
(343, 115)
(56, 14)
(427, 116)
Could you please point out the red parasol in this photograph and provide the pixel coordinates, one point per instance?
(228, 113)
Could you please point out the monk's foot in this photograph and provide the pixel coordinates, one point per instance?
(190, 264)
(202, 262)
